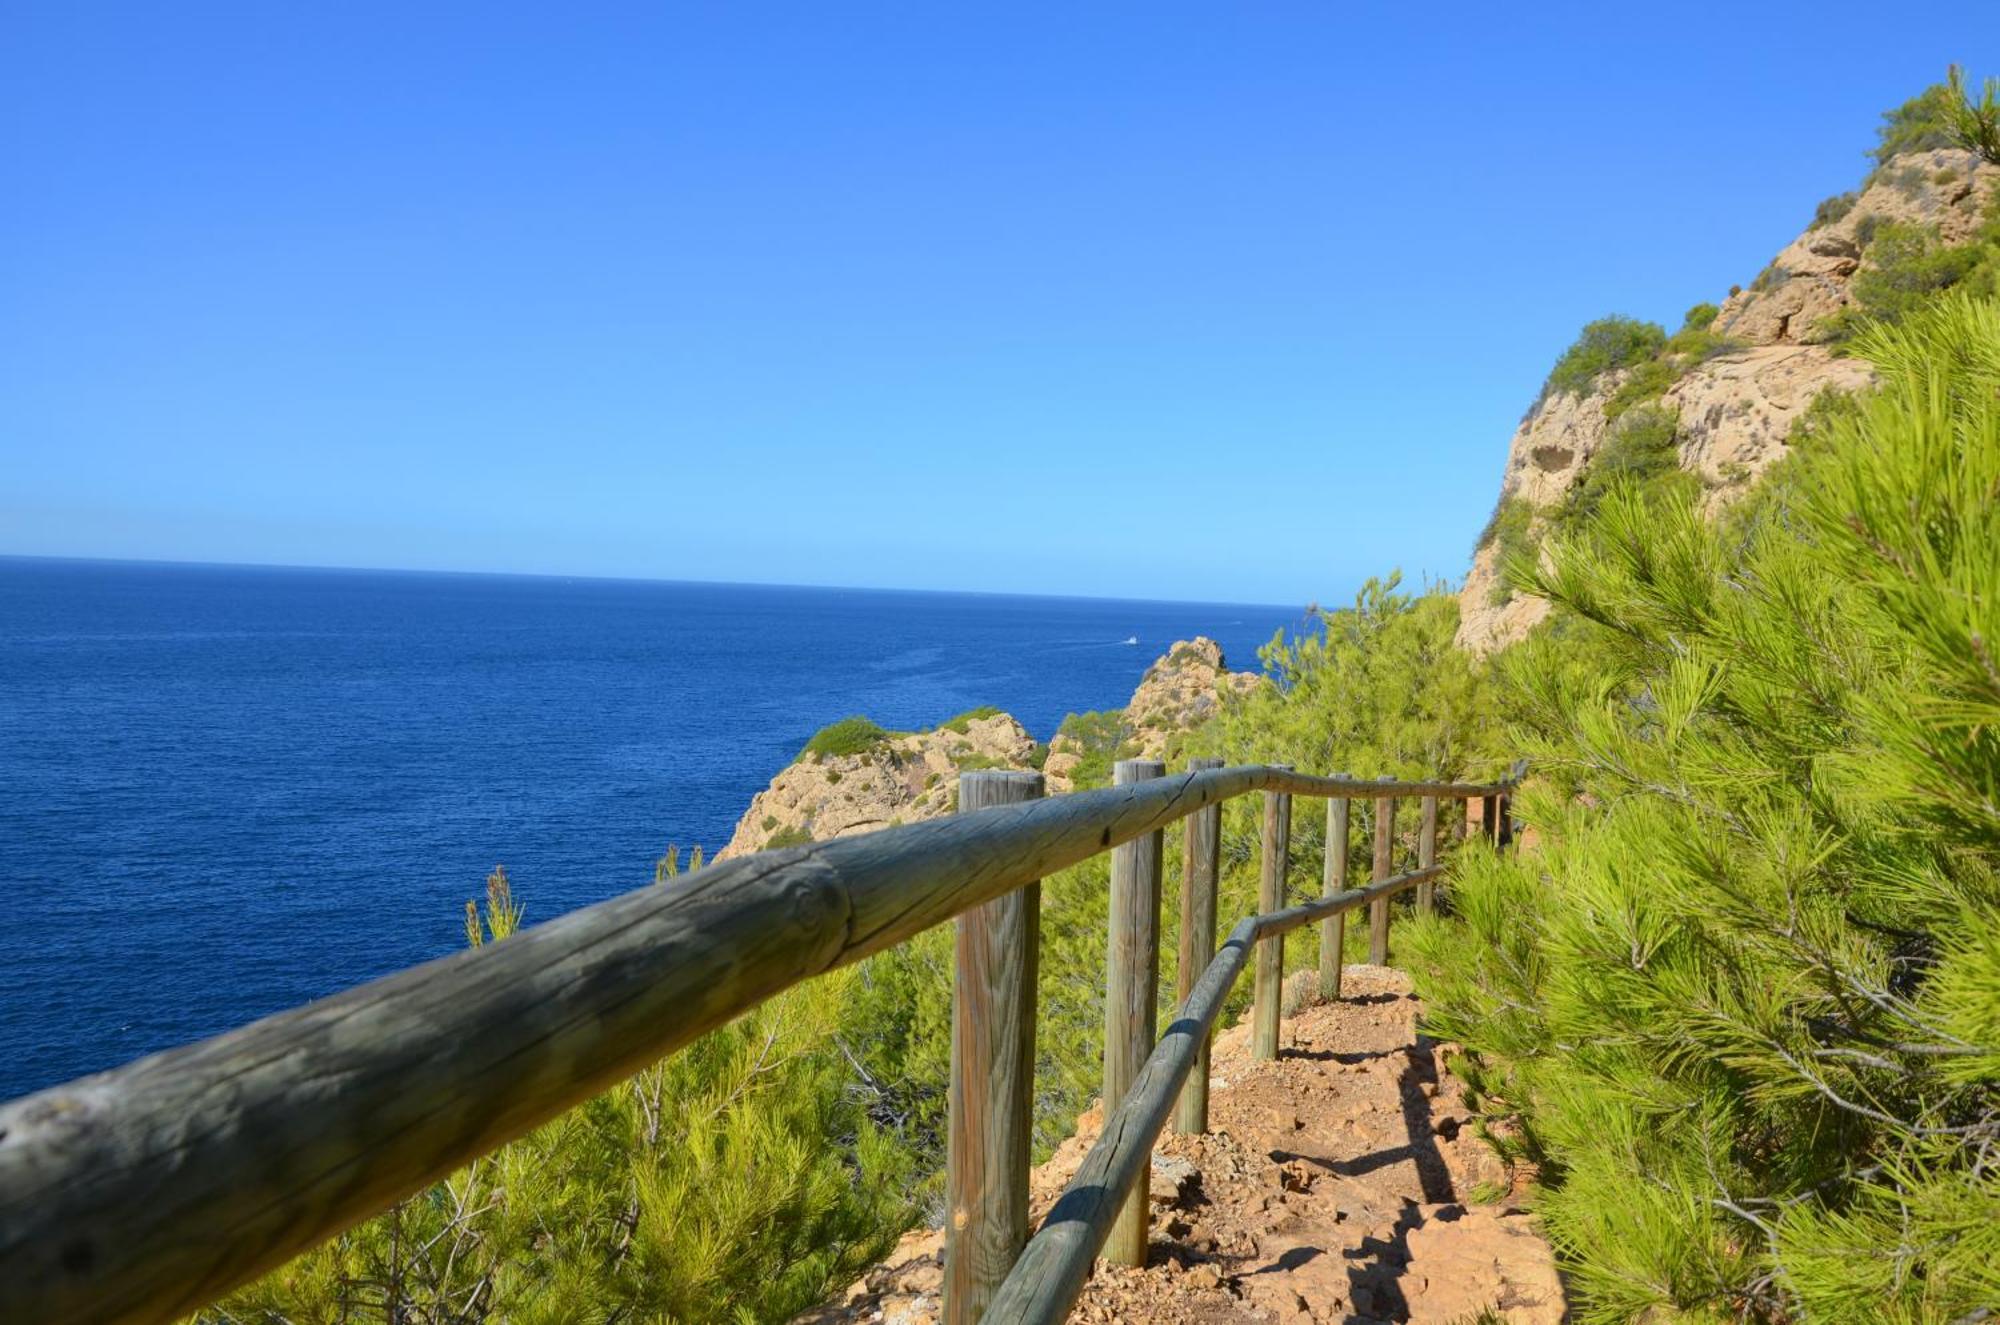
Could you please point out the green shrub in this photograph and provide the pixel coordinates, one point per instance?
(963, 722)
(1773, 276)
(1699, 318)
(1742, 1003)
(1918, 125)
(788, 837)
(1974, 122)
(1908, 264)
(1103, 739)
(741, 1179)
(1865, 228)
(1641, 449)
(1832, 209)
(1508, 532)
(1646, 382)
(1603, 346)
(849, 736)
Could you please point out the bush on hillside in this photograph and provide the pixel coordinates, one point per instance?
(1103, 738)
(1510, 533)
(850, 736)
(963, 722)
(1907, 264)
(1743, 1004)
(1641, 450)
(638, 1204)
(1920, 124)
(1974, 121)
(1832, 209)
(1699, 318)
(1608, 344)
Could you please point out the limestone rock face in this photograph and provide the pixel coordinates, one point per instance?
(1808, 282)
(1486, 621)
(1181, 690)
(1736, 409)
(907, 777)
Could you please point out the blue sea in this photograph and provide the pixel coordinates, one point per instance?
(225, 791)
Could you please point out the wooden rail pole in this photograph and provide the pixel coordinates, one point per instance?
(1270, 988)
(1427, 854)
(1333, 930)
(1378, 910)
(1131, 981)
(992, 1091)
(1203, 861)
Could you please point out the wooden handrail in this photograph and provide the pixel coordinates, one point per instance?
(143, 1193)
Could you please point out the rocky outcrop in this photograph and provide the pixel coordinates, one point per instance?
(1183, 688)
(1180, 691)
(1809, 281)
(904, 777)
(1736, 409)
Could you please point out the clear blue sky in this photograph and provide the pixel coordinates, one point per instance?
(1212, 301)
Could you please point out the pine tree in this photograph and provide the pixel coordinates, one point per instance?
(1743, 1005)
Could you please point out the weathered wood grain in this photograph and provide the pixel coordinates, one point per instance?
(1378, 910)
(139, 1194)
(1333, 930)
(991, 1095)
(1427, 853)
(1200, 877)
(1131, 986)
(1274, 863)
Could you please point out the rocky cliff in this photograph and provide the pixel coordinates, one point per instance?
(1733, 410)
(883, 778)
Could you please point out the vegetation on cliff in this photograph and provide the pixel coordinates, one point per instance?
(1743, 1004)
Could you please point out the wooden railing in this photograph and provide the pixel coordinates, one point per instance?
(141, 1194)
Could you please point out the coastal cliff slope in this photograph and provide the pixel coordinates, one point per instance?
(1745, 374)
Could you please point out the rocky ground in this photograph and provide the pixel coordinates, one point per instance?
(1336, 1184)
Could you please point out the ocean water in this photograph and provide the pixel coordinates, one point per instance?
(225, 791)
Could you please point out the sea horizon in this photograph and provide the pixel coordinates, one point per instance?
(237, 788)
(692, 582)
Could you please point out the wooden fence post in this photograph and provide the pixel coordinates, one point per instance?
(992, 1091)
(1131, 982)
(1203, 869)
(1270, 989)
(1333, 930)
(1378, 910)
(1427, 855)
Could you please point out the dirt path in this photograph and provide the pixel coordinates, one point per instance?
(1334, 1185)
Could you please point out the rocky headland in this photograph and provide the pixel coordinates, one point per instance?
(855, 777)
